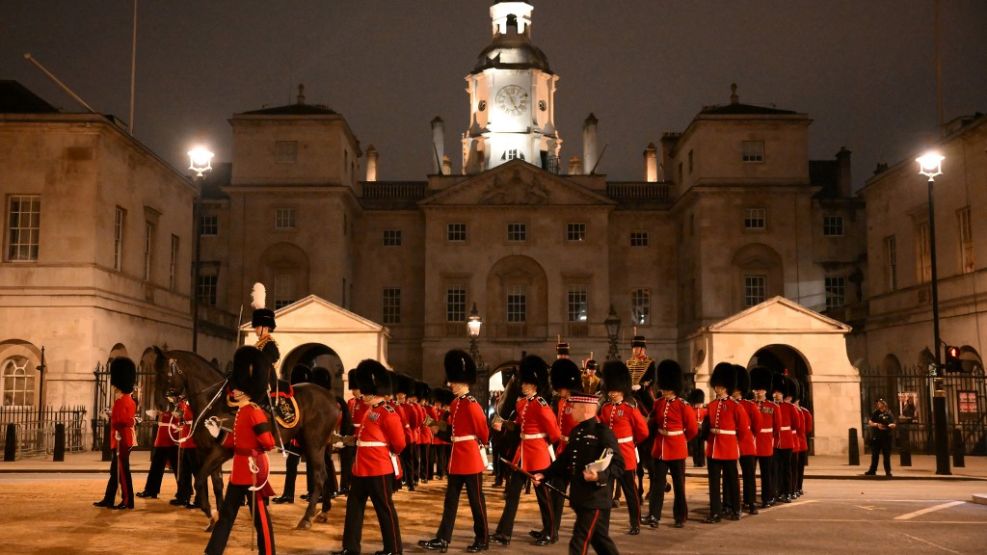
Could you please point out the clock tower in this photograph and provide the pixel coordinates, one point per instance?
(512, 97)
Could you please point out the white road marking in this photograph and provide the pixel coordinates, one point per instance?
(927, 542)
(866, 507)
(795, 504)
(858, 521)
(927, 510)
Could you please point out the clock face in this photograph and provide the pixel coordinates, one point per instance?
(512, 99)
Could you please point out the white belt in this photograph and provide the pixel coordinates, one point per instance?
(371, 444)
(786, 428)
(671, 432)
(627, 439)
(767, 430)
(355, 425)
(724, 432)
(533, 436)
(456, 439)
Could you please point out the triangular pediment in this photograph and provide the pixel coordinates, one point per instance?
(313, 313)
(779, 314)
(516, 183)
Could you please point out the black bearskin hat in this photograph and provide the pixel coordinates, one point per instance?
(443, 395)
(778, 384)
(123, 374)
(459, 367)
(760, 378)
(321, 376)
(741, 380)
(670, 376)
(565, 374)
(534, 370)
(562, 348)
(352, 380)
(422, 391)
(251, 372)
(373, 378)
(697, 396)
(301, 374)
(722, 376)
(591, 364)
(794, 389)
(262, 316)
(403, 383)
(616, 376)
(639, 341)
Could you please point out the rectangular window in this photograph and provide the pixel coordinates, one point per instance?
(392, 237)
(284, 289)
(891, 262)
(575, 232)
(119, 218)
(517, 232)
(517, 305)
(578, 305)
(205, 289)
(148, 249)
(286, 152)
(512, 154)
(833, 226)
(284, 218)
(173, 263)
(835, 292)
(391, 311)
(923, 259)
(209, 224)
(641, 307)
(966, 240)
(754, 289)
(456, 304)
(966, 404)
(753, 151)
(755, 218)
(639, 238)
(456, 232)
(23, 227)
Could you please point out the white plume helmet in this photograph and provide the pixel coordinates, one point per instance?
(258, 296)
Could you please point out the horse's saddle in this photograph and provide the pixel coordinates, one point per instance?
(286, 410)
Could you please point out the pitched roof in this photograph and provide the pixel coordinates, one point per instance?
(18, 99)
(743, 109)
(292, 110)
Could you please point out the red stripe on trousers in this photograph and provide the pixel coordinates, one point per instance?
(589, 534)
(261, 509)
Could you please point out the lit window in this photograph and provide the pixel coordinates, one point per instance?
(512, 154)
(23, 227)
(832, 226)
(209, 224)
(754, 289)
(205, 289)
(456, 232)
(173, 263)
(923, 260)
(755, 218)
(639, 238)
(575, 232)
(286, 152)
(456, 304)
(891, 262)
(18, 382)
(753, 151)
(578, 305)
(516, 304)
(517, 232)
(966, 240)
(391, 312)
(641, 306)
(835, 292)
(284, 218)
(392, 237)
(119, 219)
(148, 249)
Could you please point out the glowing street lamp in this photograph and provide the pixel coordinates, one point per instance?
(930, 164)
(200, 160)
(473, 324)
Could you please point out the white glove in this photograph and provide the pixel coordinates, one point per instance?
(213, 427)
(151, 413)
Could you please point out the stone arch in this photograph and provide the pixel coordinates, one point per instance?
(118, 350)
(756, 259)
(284, 270)
(19, 375)
(513, 274)
(785, 359)
(890, 365)
(312, 355)
(970, 359)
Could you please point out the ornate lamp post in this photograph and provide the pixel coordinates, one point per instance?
(200, 161)
(930, 165)
(473, 325)
(613, 331)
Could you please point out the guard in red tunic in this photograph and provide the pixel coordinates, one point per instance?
(630, 429)
(748, 444)
(164, 453)
(675, 425)
(440, 442)
(565, 377)
(380, 439)
(468, 432)
(403, 386)
(539, 431)
(728, 428)
(422, 392)
(769, 428)
(807, 429)
(786, 440)
(799, 442)
(250, 440)
(697, 400)
(123, 435)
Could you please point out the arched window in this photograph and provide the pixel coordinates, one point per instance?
(18, 382)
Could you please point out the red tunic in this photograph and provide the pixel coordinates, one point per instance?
(799, 442)
(676, 426)
(789, 422)
(748, 442)
(408, 417)
(163, 436)
(122, 422)
(565, 421)
(807, 427)
(538, 432)
(379, 441)
(628, 426)
(727, 421)
(769, 428)
(424, 435)
(469, 432)
(250, 440)
(185, 425)
(357, 408)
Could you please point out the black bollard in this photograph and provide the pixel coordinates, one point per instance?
(904, 446)
(59, 455)
(854, 448)
(959, 450)
(10, 448)
(107, 455)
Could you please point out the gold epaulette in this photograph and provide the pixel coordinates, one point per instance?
(264, 341)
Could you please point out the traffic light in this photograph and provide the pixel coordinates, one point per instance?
(953, 363)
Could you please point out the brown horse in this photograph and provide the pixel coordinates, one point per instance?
(205, 387)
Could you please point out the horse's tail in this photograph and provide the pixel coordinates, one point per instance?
(345, 418)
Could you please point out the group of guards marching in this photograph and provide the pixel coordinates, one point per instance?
(595, 436)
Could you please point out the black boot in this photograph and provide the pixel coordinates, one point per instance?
(284, 499)
(477, 546)
(434, 544)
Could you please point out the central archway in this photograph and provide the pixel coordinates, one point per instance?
(786, 360)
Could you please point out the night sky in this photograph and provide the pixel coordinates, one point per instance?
(863, 70)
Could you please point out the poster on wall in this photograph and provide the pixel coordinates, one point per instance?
(908, 406)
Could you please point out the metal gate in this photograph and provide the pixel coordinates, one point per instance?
(909, 395)
(103, 402)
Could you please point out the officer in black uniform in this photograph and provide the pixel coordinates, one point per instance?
(589, 489)
(263, 323)
(882, 425)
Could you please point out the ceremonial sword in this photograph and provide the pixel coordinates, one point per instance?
(531, 476)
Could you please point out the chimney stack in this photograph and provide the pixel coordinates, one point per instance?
(844, 180)
(371, 163)
(575, 165)
(651, 163)
(589, 144)
(438, 143)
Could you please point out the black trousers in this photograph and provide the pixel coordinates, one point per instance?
(346, 455)
(783, 473)
(159, 457)
(628, 485)
(698, 448)
(290, 475)
(793, 471)
(407, 464)
(800, 468)
(558, 502)
(592, 528)
(766, 465)
(227, 516)
(513, 493)
(728, 470)
(680, 509)
(380, 490)
(748, 468)
(478, 506)
(876, 450)
(120, 478)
